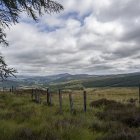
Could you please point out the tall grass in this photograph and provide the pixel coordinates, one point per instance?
(23, 119)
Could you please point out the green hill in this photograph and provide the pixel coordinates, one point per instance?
(80, 81)
(122, 80)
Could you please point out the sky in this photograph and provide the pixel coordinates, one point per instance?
(89, 36)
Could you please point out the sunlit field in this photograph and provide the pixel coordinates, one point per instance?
(112, 114)
(123, 95)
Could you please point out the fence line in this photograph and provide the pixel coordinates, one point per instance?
(74, 99)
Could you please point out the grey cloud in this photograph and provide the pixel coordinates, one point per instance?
(118, 9)
(127, 51)
(131, 34)
(106, 40)
(100, 69)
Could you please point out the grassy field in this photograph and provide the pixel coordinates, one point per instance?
(112, 114)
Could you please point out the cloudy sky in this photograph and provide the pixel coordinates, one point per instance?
(89, 36)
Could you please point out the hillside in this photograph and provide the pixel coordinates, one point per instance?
(80, 81)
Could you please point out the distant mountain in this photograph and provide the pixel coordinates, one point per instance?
(75, 81)
(121, 80)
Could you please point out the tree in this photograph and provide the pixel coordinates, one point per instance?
(4, 70)
(10, 13)
(2, 38)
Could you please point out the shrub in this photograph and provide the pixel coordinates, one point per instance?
(104, 102)
(132, 100)
(114, 111)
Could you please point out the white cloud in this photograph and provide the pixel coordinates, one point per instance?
(87, 37)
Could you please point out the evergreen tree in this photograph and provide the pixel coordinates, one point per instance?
(10, 13)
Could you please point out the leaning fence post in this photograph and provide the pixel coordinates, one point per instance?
(12, 89)
(85, 102)
(139, 93)
(38, 95)
(48, 98)
(39, 101)
(32, 94)
(35, 95)
(60, 100)
(71, 103)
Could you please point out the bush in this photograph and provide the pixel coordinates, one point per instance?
(114, 111)
(132, 100)
(104, 102)
(114, 130)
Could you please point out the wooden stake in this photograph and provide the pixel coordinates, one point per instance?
(32, 94)
(39, 101)
(139, 94)
(71, 103)
(12, 89)
(36, 95)
(48, 97)
(85, 102)
(60, 100)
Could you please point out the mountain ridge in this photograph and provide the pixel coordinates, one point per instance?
(83, 80)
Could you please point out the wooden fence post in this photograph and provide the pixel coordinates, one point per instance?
(39, 101)
(85, 101)
(139, 94)
(71, 103)
(35, 95)
(38, 96)
(60, 100)
(32, 94)
(12, 89)
(48, 97)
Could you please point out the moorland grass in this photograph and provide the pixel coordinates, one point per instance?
(105, 119)
(23, 119)
(118, 121)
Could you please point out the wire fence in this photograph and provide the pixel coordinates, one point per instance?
(79, 99)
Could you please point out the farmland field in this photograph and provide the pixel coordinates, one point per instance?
(112, 114)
